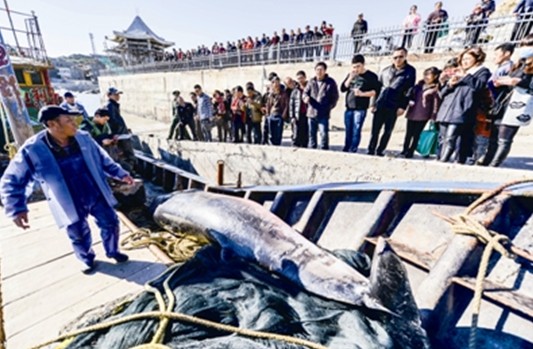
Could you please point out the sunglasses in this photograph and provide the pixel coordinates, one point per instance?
(398, 57)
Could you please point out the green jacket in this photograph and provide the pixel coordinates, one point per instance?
(99, 133)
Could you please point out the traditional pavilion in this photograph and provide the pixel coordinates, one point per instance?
(138, 44)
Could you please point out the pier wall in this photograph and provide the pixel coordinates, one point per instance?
(267, 165)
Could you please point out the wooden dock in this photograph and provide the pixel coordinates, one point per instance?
(42, 286)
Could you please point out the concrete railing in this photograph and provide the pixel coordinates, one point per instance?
(451, 36)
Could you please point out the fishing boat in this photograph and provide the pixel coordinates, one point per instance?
(467, 247)
(28, 77)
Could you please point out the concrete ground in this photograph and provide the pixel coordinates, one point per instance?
(521, 156)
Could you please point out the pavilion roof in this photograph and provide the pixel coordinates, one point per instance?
(138, 30)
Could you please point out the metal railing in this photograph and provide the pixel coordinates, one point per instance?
(24, 40)
(452, 36)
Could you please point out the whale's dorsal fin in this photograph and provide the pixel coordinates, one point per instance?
(390, 287)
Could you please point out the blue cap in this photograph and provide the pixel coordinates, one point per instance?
(113, 91)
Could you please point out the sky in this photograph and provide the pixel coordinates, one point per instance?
(66, 24)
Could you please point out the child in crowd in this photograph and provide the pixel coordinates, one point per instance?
(424, 103)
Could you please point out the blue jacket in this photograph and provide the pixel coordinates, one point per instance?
(35, 162)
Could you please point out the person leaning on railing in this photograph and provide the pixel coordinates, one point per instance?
(328, 39)
(434, 25)
(475, 24)
(524, 20)
(410, 27)
(360, 28)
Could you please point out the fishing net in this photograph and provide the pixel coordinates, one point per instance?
(224, 289)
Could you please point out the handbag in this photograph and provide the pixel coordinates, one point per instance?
(427, 144)
(498, 107)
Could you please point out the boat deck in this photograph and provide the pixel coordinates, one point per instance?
(42, 286)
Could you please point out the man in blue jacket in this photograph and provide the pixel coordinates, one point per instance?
(71, 170)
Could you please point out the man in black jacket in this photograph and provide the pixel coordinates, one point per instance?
(116, 121)
(396, 79)
(119, 128)
(183, 117)
(360, 28)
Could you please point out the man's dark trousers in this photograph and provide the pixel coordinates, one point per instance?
(383, 118)
(300, 131)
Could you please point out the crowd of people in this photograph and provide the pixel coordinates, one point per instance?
(295, 44)
(477, 112)
(315, 43)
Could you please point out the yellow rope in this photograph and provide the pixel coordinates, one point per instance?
(179, 247)
(464, 224)
(11, 150)
(185, 318)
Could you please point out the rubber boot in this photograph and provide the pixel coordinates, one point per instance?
(446, 152)
(504, 148)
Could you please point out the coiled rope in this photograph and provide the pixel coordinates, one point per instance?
(464, 224)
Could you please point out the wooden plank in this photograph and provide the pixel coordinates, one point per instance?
(36, 210)
(22, 284)
(280, 205)
(354, 227)
(44, 302)
(24, 256)
(313, 216)
(508, 298)
(13, 232)
(49, 327)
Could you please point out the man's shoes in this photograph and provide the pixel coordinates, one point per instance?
(88, 268)
(120, 257)
(380, 154)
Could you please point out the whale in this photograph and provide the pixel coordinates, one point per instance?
(251, 232)
(248, 230)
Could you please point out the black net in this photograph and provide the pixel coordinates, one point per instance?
(225, 290)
